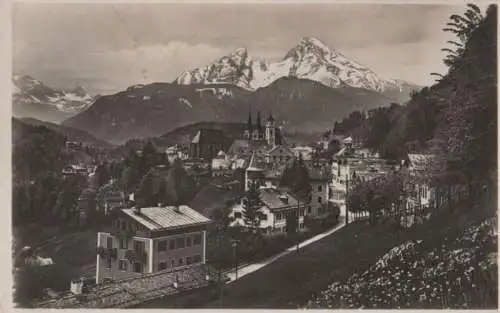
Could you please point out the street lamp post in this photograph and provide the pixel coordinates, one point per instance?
(235, 247)
(218, 229)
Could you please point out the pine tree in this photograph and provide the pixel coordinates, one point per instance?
(251, 213)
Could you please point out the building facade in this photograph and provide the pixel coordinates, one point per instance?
(149, 240)
(275, 207)
(207, 143)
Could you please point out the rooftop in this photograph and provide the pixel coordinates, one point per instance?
(273, 198)
(208, 135)
(133, 291)
(159, 218)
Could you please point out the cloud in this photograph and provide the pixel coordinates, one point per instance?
(111, 71)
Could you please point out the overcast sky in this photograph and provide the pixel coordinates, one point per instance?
(108, 47)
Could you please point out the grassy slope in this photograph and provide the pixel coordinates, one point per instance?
(291, 281)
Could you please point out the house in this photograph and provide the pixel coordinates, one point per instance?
(424, 194)
(221, 165)
(279, 154)
(319, 177)
(151, 239)
(75, 170)
(177, 152)
(365, 153)
(109, 199)
(86, 206)
(276, 206)
(304, 151)
(73, 145)
(206, 143)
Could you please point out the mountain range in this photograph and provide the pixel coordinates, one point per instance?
(311, 88)
(33, 99)
(309, 59)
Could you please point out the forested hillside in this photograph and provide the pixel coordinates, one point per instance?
(455, 117)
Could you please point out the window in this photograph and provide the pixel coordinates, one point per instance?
(172, 261)
(319, 199)
(162, 265)
(301, 225)
(197, 239)
(123, 265)
(124, 225)
(278, 216)
(320, 188)
(139, 246)
(162, 245)
(180, 243)
(188, 260)
(172, 244)
(108, 262)
(309, 210)
(181, 261)
(188, 241)
(263, 217)
(138, 268)
(237, 214)
(109, 242)
(197, 258)
(123, 243)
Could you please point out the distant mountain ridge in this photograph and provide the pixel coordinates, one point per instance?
(33, 99)
(155, 109)
(72, 134)
(311, 88)
(309, 59)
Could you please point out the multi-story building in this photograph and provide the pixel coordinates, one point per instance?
(319, 177)
(275, 207)
(151, 239)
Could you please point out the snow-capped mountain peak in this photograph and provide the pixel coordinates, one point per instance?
(29, 94)
(309, 59)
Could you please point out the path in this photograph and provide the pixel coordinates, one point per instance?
(252, 267)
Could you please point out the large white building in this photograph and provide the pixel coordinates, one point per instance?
(148, 240)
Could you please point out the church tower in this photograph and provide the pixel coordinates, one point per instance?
(257, 132)
(271, 131)
(247, 135)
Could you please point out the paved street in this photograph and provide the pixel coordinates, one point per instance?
(250, 268)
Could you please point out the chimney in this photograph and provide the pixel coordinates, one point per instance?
(137, 210)
(177, 209)
(284, 199)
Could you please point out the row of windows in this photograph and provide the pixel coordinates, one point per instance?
(180, 262)
(124, 244)
(284, 215)
(320, 200)
(179, 243)
(123, 265)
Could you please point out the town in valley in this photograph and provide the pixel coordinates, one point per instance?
(298, 179)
